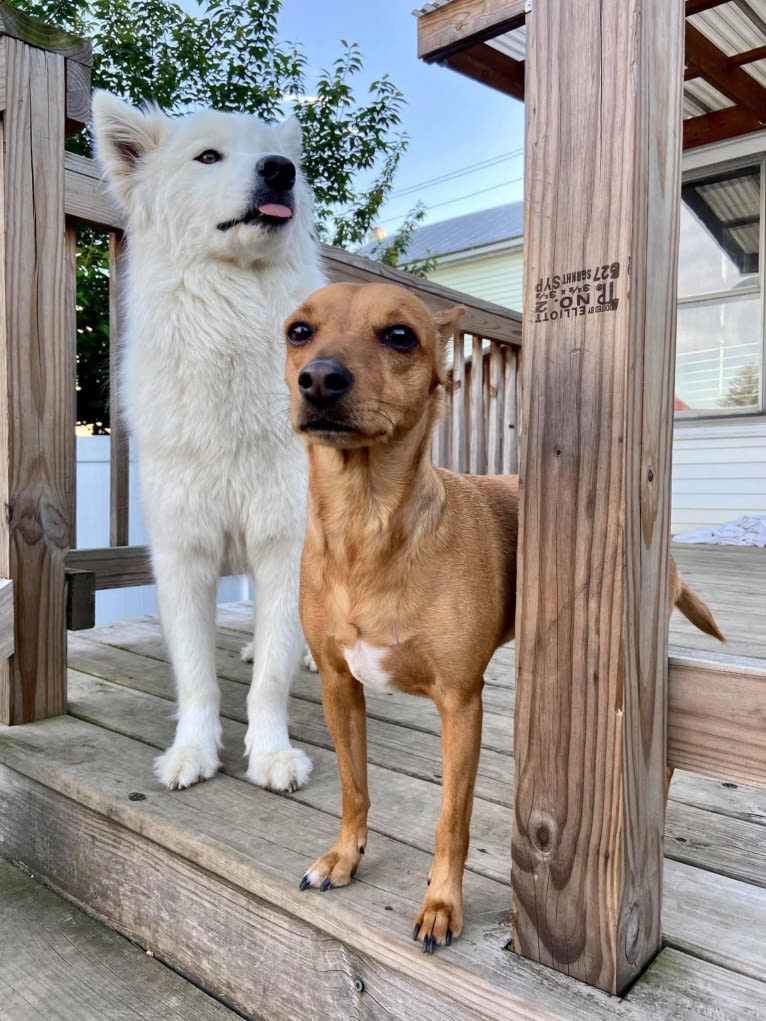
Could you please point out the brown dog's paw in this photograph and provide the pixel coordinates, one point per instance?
(439, 920)
(334, 869)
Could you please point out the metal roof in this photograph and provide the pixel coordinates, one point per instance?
(462, 233)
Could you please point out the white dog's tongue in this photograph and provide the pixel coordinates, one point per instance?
(273, 209)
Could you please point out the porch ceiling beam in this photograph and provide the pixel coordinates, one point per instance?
(464, 23)
(713, 127)
(490, 67)
(714, 66)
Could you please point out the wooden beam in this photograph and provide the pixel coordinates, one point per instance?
(714, 66)
(713, 127)
(113, 566)
(37, 371)
(601, 235)
(716, 712)
(461, 24)
(749, 56)
(490, 67)
(698, 6)
(80, 600)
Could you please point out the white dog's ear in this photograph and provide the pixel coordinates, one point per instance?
(124, 136)
(290, 130)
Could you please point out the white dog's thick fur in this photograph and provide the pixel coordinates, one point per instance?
(222, 473)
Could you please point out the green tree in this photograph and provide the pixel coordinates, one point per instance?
(229, 56)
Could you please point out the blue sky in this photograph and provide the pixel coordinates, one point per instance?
(452, 121)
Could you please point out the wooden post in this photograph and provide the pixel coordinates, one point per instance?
(602, 207)
(119, 463)
(37, 362)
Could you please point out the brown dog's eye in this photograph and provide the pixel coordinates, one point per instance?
(299, 333)
(209, 156)
(399, 337)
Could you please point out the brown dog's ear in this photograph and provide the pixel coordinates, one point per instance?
(448, 320)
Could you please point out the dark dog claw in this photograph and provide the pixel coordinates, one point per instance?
(361, 850)
(305, 882)
(448, 941)
(415, 932)
(326, 884)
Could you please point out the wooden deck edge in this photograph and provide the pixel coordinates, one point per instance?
(101, 852)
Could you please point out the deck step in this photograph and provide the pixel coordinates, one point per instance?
(207, 879)
(57, 964)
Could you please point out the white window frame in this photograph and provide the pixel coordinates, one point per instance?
(698, 168)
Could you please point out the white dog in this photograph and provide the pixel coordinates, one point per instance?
(220, 250)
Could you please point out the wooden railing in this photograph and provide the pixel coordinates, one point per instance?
(478, 431)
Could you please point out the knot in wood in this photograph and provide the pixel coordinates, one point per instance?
(544, 834)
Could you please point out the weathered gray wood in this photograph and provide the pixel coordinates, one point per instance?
(405, 770)
(591, 639)
(495, 410)
(16, 25)
(696, 986)
(510, 464)
(37, 374)
(476, 447)
(223, 859)
(77, 95)
(60, 965)
(6, 618)
(120, 856)
(458, 398)
(113, 566)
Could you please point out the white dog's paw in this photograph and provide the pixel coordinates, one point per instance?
(308, 662)
(280, 771)
(183, 765)
(247, 653)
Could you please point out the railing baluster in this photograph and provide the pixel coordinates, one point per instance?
(510, 412)
(494, 408)
(476, 463)
(119, 466)
(457, 453)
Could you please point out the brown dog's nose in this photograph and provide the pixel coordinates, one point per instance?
(324, 381)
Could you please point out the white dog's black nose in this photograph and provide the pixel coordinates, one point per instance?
(278, 172)
(324, 381)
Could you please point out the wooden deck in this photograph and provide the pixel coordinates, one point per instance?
(208, 878)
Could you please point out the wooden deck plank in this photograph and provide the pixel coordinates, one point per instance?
(58, 964)
(260, 842)
(695, 986)
(731, 847)
(405, 809)
(398, 711)
(64, 793)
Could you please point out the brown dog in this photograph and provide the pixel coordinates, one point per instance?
(408, 578)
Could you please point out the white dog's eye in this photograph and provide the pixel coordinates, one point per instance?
(399, 337)
(209, 156)
(299, 333)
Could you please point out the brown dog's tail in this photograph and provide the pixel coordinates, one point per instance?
(691, 606)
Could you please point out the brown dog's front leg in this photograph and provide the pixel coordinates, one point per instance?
(344, 710)
(441, 913)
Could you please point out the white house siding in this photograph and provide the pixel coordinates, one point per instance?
(719, 472)
(93, 531)
(496, 278)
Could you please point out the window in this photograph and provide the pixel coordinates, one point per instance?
(720, 346)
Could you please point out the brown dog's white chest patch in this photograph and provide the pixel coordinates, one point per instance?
(365, 662)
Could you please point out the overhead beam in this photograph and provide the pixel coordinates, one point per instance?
(489, 66)
(464, 23)
(714, 66)
(713, 127)
(602, 193)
